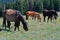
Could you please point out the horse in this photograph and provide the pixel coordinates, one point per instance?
(11, 15)
(33, 14)
(51, 14)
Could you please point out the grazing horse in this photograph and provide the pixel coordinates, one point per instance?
(50, 14)
(11, 15)
(33, 14)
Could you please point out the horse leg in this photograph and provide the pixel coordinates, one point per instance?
(51, 18)
(32, 18)
(48, 18)
(4, 23)
(40, 19)
(17, 25)
(26, 17)
(44, 18)
(8, 24)
(15, 28)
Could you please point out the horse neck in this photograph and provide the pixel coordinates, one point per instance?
(22, 19)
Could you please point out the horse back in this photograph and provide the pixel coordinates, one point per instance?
(10, 15)
(30, 13)
(10, 11)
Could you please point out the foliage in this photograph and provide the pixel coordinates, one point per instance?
(33, 5)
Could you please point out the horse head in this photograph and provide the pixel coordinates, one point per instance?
(56, 15)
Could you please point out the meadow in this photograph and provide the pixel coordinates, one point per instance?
(37, 30)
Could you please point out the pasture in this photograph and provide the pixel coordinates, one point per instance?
(37, 31)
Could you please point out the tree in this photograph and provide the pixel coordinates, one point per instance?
(46, 4)
(51, 4)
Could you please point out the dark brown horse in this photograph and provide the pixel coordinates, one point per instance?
(50, 14)
(11, 15)
(33, 14)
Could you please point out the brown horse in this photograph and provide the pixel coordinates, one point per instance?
(11, 15)
(33, 14)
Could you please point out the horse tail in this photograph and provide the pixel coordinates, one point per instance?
(4, 19)
(26, 16)
(40, 18)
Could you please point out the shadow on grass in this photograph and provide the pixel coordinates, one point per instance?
(4, 30)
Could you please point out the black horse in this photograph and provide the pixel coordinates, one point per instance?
(11, 15)
(51, 14)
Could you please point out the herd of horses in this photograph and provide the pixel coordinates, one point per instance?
(11, 15)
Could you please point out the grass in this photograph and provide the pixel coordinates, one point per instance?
(37, 31)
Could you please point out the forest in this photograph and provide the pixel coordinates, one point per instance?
(33, 5)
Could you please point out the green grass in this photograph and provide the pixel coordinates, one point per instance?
(37, 31)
